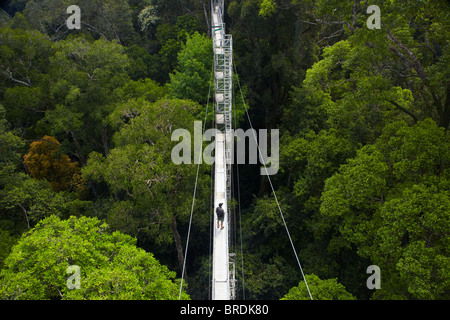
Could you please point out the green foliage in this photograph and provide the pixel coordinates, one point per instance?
(309, 161)
(35, 200)
(24, 68)
(390, 201)
(91, 65)
(147, 17)
(154, 193)
(142, 64)
(172, 38)
(87, 73)
(11, 145)
(6, 243)
(320, 289)
(111, 265)
(11, 149)
(110, 19)
(4, 18)
(266, 226)
(24, 55)
(272, 52)
(266, 279)
(147, 89)
(191, 79)
(267, 7)
(352, 98)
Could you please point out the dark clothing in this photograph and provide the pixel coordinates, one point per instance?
(220, 213)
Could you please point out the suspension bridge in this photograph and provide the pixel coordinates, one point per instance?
(223, 274)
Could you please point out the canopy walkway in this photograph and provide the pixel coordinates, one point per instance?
(223, 281)
(223, 71)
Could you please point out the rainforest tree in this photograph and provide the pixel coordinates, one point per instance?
(111, 265)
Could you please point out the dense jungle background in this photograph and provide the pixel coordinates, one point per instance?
(86, 177)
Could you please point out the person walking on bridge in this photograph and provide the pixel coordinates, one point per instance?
(220, 215)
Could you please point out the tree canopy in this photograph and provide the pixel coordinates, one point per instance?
(111, 266)
(320, 290)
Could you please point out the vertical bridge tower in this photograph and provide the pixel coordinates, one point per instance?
(223, 281)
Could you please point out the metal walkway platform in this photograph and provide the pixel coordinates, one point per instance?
(221, 280)
(220, 247)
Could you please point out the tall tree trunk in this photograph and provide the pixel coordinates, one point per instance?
(25, 213)
(208, 24)
(178, 245)
(411, 61)
(444, 115)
